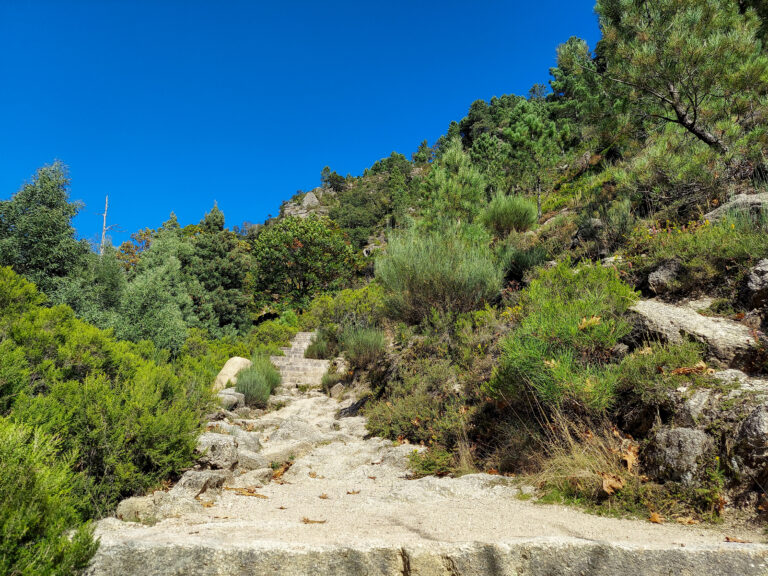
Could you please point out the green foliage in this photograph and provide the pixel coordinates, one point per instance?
(216, 271)
(454, 190)
(298, 258)
(711, 256)
(571, 319)
(439, 270)
(432, 462)
(258, 381)
(272, 334)
(649, 372)
(321, 347)
(350, 307)
(363, 347)
(505, 214)
(40, 529)
(696, 64)
(129, 418)
(36, 234)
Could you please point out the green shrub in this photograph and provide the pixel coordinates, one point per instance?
(258, 381)
(330, 379)
(436, 270)
(432, 462)
(711, 255)
(351, 307)
(571, 319)
(128, 416)
(505, 214)
(38, 507)
(272, 334)
(363, 346)
(517, 261)
(321, 347)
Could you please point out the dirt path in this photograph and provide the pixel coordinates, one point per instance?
(345, 506)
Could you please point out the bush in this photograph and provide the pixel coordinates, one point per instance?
(437, 270)
(711, 255)
(363, 346)
(505, 214)
(517, 258)
(258, 381)
(571, 319)
(321, 347)
(128, 416)
(41, 528)
(358, 307)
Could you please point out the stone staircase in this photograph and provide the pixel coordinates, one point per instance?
(299, 490)
(300, 375)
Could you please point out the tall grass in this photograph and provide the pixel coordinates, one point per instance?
(363, 346)
(258, 382)
(439, 270)
(507, 213)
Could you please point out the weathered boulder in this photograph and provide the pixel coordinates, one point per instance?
(310, 201)
(246, 440)
(337, 391)
(756, 289)
(230, 399)
(751, 203)
(195, 482)
(249, 460)
(752, 441)
(140, 508)
(676, 454)
(228, 374)
(257, 477)
(662, 280)
(218, 451)
(727, 342)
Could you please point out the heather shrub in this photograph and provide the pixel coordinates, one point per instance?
(258, 381)
(41, 528)
(363, 346)
(505, 214)
(441, 270)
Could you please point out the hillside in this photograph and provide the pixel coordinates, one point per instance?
(568, 288)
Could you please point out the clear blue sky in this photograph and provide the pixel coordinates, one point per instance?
(172, 105)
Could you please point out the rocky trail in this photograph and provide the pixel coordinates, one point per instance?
(299, 490)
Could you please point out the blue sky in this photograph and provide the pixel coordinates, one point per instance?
(172, 105)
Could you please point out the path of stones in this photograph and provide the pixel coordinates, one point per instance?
(346, 506)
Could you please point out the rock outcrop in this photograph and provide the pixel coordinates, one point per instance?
(750, 203)
(727, 342)
(228, 374)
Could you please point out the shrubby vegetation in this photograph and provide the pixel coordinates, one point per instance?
(258, 381)
(478, 316)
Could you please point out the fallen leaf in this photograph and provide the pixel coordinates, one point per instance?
(736, 540)
(656, 518)
(371, 477)
(306, 520)
(589, 322)
(492, 471)
(282, 469)
(611, 483)
(246, 492)
(698, 368)
(353, 492)
(313, 474)
(323, 496)
(375, 463)
(631, 456)
(207, 503)
(282, 508)
(686, 520)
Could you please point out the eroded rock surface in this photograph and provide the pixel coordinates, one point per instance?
(726, 341)
(346, 506)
